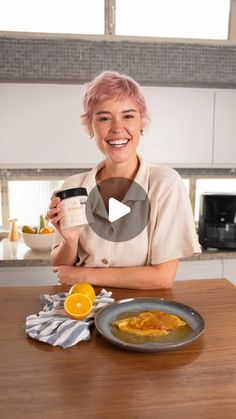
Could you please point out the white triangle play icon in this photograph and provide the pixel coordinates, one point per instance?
(116, 209)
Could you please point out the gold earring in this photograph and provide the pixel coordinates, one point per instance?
(91, 135)
(141, 132)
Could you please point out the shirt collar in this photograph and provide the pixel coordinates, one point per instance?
(141, 178)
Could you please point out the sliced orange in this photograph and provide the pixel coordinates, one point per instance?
(85, 289)
(77, 306)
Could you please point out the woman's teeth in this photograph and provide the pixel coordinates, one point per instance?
(118, 143)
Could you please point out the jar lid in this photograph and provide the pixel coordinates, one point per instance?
(68, 193)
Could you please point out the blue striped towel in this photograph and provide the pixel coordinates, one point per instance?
(51, 325)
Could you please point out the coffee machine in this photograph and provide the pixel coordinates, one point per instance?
(217, 221)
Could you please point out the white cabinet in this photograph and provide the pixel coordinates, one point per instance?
(225, 127)
(229, 270)
(40, 127)
(181, 127)
(27, 276)
(200, 269)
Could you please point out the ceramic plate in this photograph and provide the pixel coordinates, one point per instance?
(107, 315)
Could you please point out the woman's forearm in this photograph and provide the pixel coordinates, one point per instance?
(138, 277)
(65, 253)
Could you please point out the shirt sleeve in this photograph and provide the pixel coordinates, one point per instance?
(174, 234)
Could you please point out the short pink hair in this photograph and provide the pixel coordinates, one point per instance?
(108, 85)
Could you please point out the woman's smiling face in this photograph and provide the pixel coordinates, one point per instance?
(116, 125)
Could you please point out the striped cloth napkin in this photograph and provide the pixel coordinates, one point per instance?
(51, 325)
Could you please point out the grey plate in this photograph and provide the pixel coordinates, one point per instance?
(107, 315)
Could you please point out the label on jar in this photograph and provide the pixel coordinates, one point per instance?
(73, 212)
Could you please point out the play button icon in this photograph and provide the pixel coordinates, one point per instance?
(116, 209)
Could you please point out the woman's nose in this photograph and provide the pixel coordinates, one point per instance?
(117, 126)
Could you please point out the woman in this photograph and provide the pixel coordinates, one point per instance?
(115, 115)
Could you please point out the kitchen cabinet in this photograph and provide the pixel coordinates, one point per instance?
(41, 123)
(189, 127)
(20, 276)
(200, 269)
(40, 127)
(181, 127)
(225, 127)
(229, 270)
(194, 269)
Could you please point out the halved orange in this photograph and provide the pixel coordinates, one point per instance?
(77, 306)
(85, 289)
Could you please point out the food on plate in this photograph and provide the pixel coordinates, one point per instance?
(77, 306)
(85, 289)
(149, 323)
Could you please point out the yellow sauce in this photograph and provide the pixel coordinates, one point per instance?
(173, 337)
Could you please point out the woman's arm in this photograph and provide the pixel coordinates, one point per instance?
(137, 277)
(66, 253)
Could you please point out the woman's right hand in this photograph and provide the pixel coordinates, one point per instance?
(54, 215)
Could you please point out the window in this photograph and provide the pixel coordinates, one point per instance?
(187, 183)
(30, 198)
(212, 185)
(201, 19)
(25, 194)
(197, 19)
(53, 16)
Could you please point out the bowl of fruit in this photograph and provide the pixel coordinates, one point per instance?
(38, 238)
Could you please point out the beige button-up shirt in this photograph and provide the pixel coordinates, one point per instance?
(169, 234)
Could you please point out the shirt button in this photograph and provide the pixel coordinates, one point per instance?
(104, 261)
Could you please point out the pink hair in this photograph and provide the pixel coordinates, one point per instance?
(108, 85)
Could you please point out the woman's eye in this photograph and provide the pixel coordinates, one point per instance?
(129, 116)
(104, 118)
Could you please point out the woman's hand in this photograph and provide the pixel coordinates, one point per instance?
(54, 212)
(54, 215)
(67, 274)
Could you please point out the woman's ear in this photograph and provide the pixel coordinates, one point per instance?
(90, 130)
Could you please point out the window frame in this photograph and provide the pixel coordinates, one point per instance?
(60, 174)
(7, 175)
(110, 30)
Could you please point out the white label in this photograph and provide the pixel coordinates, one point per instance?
(73, 212)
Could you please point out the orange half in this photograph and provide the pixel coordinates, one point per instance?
(85, 289)
(77, 306)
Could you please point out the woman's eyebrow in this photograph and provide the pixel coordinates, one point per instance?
(100, 112)
(129, 110)
(107, 112)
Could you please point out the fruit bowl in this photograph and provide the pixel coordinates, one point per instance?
(39, 242)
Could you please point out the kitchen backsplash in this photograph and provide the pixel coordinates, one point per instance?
(58, 59)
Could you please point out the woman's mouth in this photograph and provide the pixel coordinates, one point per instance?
(118, 143)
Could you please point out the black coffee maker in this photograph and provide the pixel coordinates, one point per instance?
(217, 221)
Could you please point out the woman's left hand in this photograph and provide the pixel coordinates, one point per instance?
(67, 274)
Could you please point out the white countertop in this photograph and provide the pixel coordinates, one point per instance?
(18, 254)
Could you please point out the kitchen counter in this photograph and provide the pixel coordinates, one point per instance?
(18, 254)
